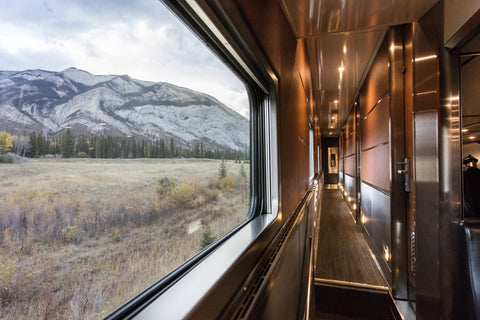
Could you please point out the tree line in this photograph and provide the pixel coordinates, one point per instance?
(36, 145)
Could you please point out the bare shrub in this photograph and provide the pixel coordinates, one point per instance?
(7, 270)
(164, 187)
(211, 194)
(228, 183)
(40, 217)
(212, 183)
(106, 238)
(72, 234)
(185, 193)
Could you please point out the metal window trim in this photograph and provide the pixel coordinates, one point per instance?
(263, 223)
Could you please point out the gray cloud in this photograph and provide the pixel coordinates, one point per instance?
(140, 38)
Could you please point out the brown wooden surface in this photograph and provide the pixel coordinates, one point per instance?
(376, 166)
(343, 251)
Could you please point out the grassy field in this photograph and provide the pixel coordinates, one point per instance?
(80, 237)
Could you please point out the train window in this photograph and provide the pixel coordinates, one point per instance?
(124, 151)
(470, 73)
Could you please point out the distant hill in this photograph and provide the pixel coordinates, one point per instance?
(118, 105)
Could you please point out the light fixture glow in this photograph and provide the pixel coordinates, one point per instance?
(335, 101)
(433, 56)
(386, 255)
(341, 69)
(471, 137)
(464, 130)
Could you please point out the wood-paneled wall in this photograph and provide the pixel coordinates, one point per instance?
(288, 58)
(375, 123)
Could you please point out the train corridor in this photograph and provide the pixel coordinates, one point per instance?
(349, 282)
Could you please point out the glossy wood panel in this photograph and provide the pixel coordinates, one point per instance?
(351, 165)
(376, 84)
(375, 127)
(459, 12)
(311, 17)
(376, 166)
(273, 33)
(350, 145)
(350, 136)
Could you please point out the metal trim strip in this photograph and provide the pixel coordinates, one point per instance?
(351, 285)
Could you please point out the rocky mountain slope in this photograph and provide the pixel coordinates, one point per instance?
(46, 101)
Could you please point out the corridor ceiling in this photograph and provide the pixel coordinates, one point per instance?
(342, 37)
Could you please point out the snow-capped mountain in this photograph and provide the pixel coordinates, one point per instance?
(47, 101)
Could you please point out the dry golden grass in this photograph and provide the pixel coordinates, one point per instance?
(104, 177)
(62, 279)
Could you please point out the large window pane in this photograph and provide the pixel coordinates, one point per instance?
(124, 151)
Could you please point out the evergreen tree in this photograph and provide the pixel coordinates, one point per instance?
(222, 171)
(123, 147)
(207, 238)
(68, 144)
(41, 145)
(33, 143)
(162, 152)
(133, 148)
(143, 148)
(243, 173)
(172, 149)
(196, 150)
(92, 150)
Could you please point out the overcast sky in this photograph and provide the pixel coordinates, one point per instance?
(140, 38)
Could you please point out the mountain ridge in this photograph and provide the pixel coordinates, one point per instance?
(119, 105)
